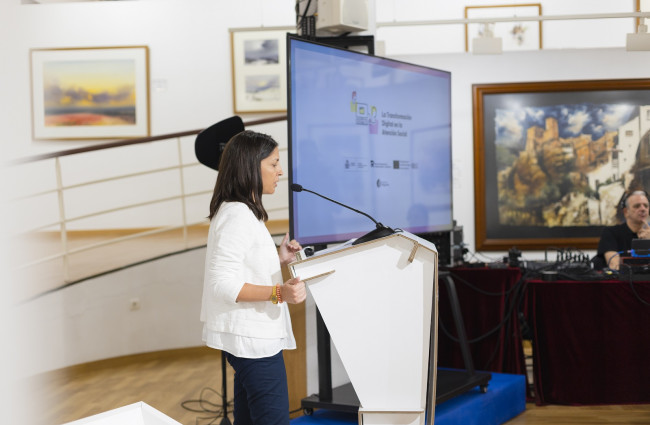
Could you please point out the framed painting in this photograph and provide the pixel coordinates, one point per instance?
(552, 160)
(90, 93)
(515, 35)
(259, 70)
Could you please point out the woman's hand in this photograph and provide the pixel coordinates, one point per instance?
(293, 291)
(288, 249)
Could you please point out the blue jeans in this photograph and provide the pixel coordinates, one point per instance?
(261, 392)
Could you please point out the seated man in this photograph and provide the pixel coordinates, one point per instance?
(617, 240)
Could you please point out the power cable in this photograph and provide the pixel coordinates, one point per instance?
(513, 298)
(203, 405)
(633, 288)
(301, 19)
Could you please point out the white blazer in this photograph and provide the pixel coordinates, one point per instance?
(240, 250)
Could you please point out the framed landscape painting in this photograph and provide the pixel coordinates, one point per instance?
(552, 160)
(90, 93)
(259, 70)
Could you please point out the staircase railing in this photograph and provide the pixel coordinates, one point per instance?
(57, 239)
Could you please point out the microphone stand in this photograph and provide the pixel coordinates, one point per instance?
(377, 233)
(224, 392)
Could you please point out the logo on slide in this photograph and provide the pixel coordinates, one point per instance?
(364, 115)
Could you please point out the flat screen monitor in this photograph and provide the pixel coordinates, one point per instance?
(369, 132)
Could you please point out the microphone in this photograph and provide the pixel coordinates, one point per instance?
(377, 233)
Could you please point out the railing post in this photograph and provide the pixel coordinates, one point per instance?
(183, 206)
(62, 224)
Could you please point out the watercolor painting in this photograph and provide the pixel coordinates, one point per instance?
(262, 52)
(259, 70)
(90, 93)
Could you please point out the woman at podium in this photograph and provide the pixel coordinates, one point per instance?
(244, 308)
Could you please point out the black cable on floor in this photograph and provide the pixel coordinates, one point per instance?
(203, 405)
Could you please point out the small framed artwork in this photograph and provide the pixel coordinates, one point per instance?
(523, 35)
(552, 160)
(90, 93)
(259, 70)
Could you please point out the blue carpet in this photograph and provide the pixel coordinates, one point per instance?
(505, 399)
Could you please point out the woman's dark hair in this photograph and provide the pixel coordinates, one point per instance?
(240, 177)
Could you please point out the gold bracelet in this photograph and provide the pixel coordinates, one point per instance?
(274, 295)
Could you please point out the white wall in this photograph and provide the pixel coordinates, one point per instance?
(557, 34)
(191, 78)
(93, 320)
(190, 61)
(190, 47)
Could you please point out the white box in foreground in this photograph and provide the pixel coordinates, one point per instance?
(139, 413)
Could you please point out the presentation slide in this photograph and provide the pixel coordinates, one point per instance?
(373, 134)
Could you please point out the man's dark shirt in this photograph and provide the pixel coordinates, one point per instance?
(614, 238)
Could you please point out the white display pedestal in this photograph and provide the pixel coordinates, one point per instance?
(139, 413)
(379, 301)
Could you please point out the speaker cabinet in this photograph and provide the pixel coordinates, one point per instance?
(339, 16)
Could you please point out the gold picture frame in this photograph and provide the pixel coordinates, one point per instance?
(642, 6)
(543, 178)
(84, 93)
(524, 35)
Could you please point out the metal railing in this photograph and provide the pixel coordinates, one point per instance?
(38, 270)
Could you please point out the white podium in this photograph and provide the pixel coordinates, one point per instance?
(379, 301)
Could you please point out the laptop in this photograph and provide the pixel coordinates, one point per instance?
(636, 264)
(640, 248)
